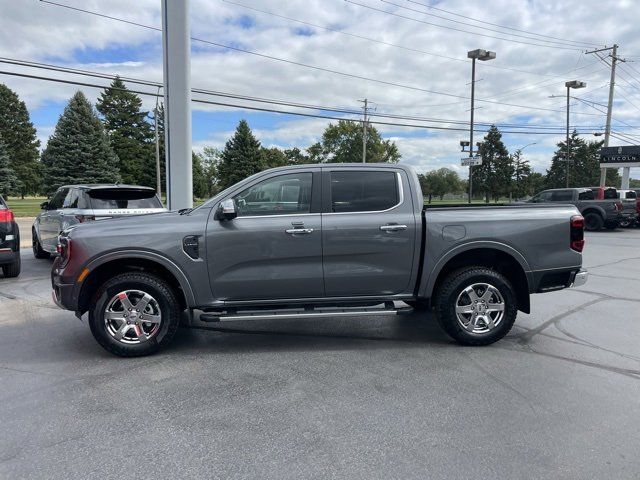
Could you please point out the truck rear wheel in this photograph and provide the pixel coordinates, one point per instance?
(593, 221)
(134, 314)
(476, 305)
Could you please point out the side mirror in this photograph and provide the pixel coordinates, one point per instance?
(44, 205)
(227, 210)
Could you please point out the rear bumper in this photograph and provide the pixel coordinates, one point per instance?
(580, 278)
(7, 255)
(551, 280)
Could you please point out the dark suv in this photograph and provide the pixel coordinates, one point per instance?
(73, 204)
(9, 242)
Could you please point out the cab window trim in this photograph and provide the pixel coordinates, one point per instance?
(327, 193)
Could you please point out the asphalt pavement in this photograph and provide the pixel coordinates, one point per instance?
(379, 397)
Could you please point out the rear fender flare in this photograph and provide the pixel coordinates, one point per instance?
(430, 277)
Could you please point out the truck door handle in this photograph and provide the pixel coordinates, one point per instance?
(392, 228)
(299, 231)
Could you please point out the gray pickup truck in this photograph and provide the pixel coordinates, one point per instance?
(597, 214)
(313, 241)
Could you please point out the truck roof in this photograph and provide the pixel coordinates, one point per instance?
(99, 186)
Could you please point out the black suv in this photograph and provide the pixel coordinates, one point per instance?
(9, 242)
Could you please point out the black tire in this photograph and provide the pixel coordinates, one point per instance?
(12, 270)
(167, 302)
(625, 223)
(452, 287)
(38, 251)
(593, 221)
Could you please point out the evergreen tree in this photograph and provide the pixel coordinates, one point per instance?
(19, 137)
(79, 150)
(493, 177)
(200, 180)
(342, 142)
(584, 165)
(130, 134)
(8, 179)
(521, 174)
(273, 157)
(240, 158)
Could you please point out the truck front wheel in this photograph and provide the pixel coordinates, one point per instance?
(134, 314)
(476, 305)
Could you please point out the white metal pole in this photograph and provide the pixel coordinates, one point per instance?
(177, 102)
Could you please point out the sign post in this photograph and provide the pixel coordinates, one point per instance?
(471, 161)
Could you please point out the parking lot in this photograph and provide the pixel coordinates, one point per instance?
(381, 397)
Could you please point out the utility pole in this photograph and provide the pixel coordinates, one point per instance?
(570, 85)
(607, 129)
(364, 131)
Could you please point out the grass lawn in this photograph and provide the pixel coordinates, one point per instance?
(27, 207)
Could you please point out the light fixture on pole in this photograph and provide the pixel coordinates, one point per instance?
(483, 55)
(570, 85)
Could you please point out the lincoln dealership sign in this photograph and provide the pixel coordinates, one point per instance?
(620, 156)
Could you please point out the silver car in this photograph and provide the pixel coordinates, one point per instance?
(74, 204)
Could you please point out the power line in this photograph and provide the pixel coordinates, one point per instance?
(74, 71)
(285, 112)
(432, 7)
(563, 43)
(315, 67)
(454, 28)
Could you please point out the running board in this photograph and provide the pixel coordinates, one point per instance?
(301, 313)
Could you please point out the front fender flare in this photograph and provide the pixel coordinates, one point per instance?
(174, 269)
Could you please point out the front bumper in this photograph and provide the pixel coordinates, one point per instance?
(63, 294)
(579, 279)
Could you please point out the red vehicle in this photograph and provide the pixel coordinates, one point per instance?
(604, 193)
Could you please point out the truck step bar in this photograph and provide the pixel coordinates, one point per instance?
(388, 308)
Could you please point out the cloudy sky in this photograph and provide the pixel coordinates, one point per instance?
(408, 57)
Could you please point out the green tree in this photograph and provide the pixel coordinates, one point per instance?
(584, 165)
(148, 175)
(8, 179)
(342, 143)
(241, 156)
(493, 177)
(210, 159)
(536, 183)
(295, 156)
(521, 174)
(440, 182)
(200, 187)
(273, 157)
(130, 134)
(79, 150)
(19, 137)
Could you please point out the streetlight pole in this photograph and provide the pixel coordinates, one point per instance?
(484, 55)
(570, 85)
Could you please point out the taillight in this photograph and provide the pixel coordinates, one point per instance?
(6, 216)
(63, 249)
(85, 218)
(577, 233)
(638, 205)
(618, 206)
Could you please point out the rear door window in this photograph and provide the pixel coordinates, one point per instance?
(562, 196)
(610, 194)
(355, 191)
(121, 198)
(588, 195)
